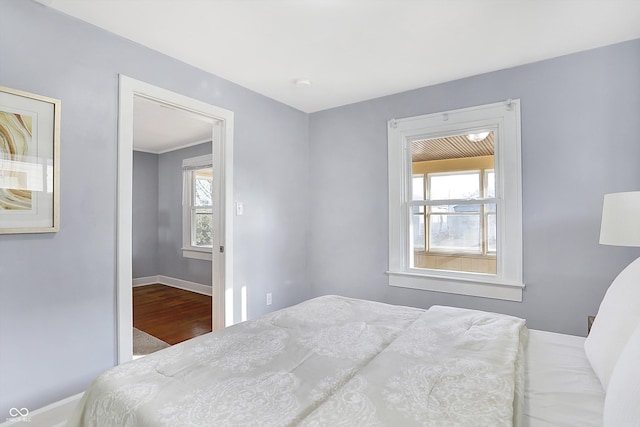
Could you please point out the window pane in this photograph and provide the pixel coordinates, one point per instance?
(202, 186)
(418, 231)
(454, 186)
(418, 187)
(203, 230)
(491, 232)
(490, 183)
(455, 232)
(466, 208)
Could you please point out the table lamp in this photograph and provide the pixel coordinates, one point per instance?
(621, 219)
(618, 315)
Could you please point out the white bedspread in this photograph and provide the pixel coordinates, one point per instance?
(330, 361)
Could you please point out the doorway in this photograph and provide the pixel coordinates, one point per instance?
(222, 237)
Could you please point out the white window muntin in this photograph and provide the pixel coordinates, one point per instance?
(504, 120)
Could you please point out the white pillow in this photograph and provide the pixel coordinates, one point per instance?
(622, 403)
(617, 318)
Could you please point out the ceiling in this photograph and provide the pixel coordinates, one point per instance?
(354, 50)
(159, 128)
(452, 147)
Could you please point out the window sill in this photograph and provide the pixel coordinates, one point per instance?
(456, 254)
(486, 286)
(197, 253)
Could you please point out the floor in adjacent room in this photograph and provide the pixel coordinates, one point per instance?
(170, 314)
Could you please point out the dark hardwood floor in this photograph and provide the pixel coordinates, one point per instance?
(171, 314)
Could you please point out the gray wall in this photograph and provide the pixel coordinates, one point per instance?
(171, 263)
(580, 140)
(57, 291)
(157, 217)
(144, 234)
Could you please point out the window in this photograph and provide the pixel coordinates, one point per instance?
(197, 207)
(455, 216)
(458, 228)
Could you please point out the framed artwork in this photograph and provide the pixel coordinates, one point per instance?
(29, 162)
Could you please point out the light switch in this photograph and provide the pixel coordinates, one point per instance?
(239, 209)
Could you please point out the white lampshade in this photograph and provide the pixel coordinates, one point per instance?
(621, 219)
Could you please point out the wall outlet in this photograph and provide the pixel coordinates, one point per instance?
(269, 300)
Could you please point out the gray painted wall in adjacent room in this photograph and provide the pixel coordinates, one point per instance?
(58, 291)
(580, 127)
(157, 217)
(144, 234)
(171, 263)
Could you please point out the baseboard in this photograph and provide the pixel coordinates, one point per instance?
(53, 415)
(186, 285)
(173, 282)
(144, 281)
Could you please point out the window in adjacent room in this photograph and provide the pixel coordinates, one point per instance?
(197, 207)
(455, 202)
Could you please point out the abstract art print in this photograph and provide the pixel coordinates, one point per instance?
(29, 162)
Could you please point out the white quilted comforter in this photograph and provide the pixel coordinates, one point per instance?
(329, 361)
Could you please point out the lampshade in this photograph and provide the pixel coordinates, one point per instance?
(621, 219)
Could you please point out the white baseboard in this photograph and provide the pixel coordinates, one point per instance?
(144, 281)
(53, 415)
(173, 282)
(186, 285)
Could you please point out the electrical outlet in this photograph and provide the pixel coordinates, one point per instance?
(269, 300)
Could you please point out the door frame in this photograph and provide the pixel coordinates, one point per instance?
(222, 259)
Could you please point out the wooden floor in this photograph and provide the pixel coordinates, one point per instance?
(171, 314)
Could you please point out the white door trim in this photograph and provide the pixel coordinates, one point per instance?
(222, 264)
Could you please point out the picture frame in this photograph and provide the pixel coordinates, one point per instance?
(29, 162)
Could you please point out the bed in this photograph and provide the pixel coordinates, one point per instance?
(336, 361)
(561, 388)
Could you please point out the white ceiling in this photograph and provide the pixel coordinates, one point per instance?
(158, 128)
(353, 50)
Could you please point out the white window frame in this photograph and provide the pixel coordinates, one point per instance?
(503, 118)
(189, 166)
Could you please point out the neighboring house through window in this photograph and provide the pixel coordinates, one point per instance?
(455, 215)
(197, 207)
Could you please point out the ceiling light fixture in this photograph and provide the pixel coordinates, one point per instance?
(478, 137)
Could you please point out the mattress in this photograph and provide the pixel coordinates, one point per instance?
(561, 389)
(329, 361)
